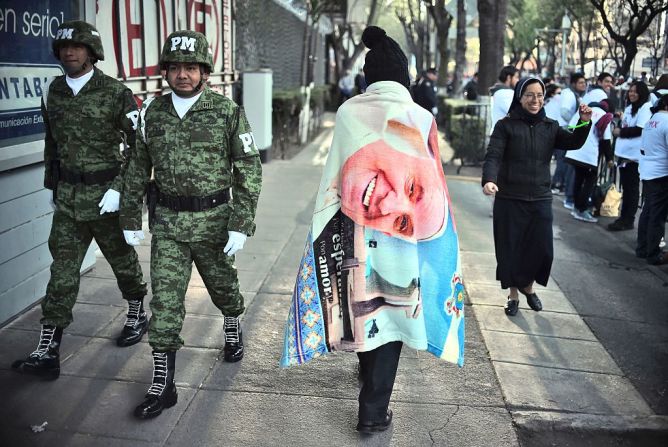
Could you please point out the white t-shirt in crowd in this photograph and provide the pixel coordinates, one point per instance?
(568, 104)
(588, 153)
(76, 84)
(182, 105)
(501, 100)
(594, 95)
(654, 97)
(630, 147)
(654, 155)
(553, 109)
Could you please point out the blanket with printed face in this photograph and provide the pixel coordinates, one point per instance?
(381, 261)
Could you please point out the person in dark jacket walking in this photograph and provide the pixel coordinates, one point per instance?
(471, 88)
(425, 91)
(517, 171)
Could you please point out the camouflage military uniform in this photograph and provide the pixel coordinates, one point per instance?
(84, 132)
(209, 150)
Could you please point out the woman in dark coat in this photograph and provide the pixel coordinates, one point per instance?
(517, 171)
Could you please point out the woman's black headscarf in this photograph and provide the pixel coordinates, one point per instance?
(517, 111)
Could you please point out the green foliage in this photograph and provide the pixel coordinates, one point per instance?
(465, 128)
(524, 17)
(321, 97)
(286, 104)
(286, 107)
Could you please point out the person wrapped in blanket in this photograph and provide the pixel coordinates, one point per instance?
(381, 266)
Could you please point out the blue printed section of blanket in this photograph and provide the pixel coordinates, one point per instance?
(304, 331)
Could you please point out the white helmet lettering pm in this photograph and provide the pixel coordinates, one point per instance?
(65, 33)
(187, 43)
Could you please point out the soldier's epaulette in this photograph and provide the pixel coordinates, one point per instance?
(206, 105)
(164, 102)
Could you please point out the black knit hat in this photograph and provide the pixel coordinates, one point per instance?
(385, 61)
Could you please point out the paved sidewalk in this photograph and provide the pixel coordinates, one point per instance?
(527, 380)
(550, 365)
(253, 402)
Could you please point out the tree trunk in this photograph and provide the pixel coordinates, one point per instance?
(444, 52)
(630, 51)
(551, 57)
(414, 46)
(539, 64)
(581, 46)
(492, 15)
(460, 46)
(305, 49)
(527, 56)
(442, 20)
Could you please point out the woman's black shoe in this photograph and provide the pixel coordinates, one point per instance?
(375, 427)
(620, 225)
(511, 307)
(532, 300)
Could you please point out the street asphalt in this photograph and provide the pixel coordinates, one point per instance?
(589, 370)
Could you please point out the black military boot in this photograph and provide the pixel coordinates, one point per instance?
(136, 324)
(45, 360)
(162, 393)
(234, 345)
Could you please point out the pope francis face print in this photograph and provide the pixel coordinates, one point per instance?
(393, 192)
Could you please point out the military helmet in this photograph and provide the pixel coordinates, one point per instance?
(186, 47)
(77, 31)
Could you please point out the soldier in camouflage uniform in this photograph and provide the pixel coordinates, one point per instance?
(207, 179)
(87, 115)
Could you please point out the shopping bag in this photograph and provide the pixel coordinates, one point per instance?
(612, 203)
(598, 196)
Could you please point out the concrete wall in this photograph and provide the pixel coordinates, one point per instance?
(270, 36)
(25, 223)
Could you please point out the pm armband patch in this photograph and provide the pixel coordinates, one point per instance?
(134, 117)
(248, 141)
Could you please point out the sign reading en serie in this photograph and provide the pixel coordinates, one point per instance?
(27, 28)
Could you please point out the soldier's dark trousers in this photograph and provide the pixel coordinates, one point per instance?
(68, 243)
(171, 267)
(378, 369)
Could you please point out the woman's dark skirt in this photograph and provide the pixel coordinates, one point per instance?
(523, 241)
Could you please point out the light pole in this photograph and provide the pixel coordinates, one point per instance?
(566, 28)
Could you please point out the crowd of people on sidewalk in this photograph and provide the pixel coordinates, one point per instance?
(602, 141)
(618, 138)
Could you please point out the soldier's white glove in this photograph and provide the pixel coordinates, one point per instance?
(235, 242)
(133, 237)
(110, 202)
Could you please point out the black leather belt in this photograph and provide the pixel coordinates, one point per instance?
(88, 178)
(192, 203)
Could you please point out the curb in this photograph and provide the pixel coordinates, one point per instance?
(593, 429)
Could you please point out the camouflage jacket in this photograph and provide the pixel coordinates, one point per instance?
(84, 132)
(209, 150)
